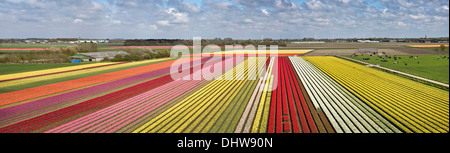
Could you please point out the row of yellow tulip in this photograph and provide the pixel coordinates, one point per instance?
(199, 112)
(262, 114)
(255, 114)
(48, 71)
(412, 106)
(426, 46)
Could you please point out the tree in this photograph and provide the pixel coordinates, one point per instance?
(106, 59)
(68, 51)
(11, 58)
(127, 58)
(117, 58)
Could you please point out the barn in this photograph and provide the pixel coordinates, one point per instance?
(82, 57)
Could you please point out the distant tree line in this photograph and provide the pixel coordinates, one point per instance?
(384, 39)
(155, 42)
(204, 42)
(63, 55)
(48, 56)
(267, 42)
(229, 41)
(52, 55)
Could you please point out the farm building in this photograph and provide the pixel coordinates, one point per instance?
(98, 56)
(82, 57)
(308, 42)
(368, 41)
(92, 41)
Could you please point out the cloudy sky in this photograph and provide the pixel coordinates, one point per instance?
(239, 19)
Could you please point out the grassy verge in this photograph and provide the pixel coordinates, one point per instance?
(23, 45)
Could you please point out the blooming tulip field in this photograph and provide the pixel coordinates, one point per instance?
(288, 93)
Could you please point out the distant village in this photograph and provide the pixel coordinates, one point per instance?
(60, 41)
(221, 40)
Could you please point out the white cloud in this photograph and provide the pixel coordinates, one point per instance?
(385, 10)
(177, 17)
(97, 6)
(315, 5)
(321, 19)
(35, 3)
(131, 3)
(153, 27)
(78, 21)
(223, 18)
(370, 10)
(222, 4)
(400, 23)
(116, 21)
(82, 16)
(418, 17)
(265, 12)
(248, 20)
(190, 7)
(440, 18)
(344, 1)
(146, 27)
(285, 5)
(163, 22)
(405, 3)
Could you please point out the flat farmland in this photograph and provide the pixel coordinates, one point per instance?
(288, 93)
(399, 51)
(331, 49)
(349, 45)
